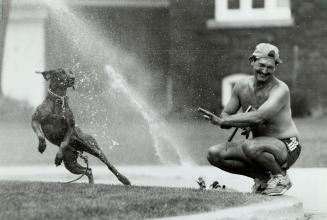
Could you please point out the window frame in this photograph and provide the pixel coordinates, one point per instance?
(246, 16)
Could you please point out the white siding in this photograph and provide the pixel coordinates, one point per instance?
(24, 53)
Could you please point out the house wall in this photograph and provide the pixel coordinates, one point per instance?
(200, 57)
(23, 53)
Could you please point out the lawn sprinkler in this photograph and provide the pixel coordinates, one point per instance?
(215, 185)
(202, 183)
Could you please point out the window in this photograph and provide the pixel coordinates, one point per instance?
(251, 13)
(258, 3)
(233, 4)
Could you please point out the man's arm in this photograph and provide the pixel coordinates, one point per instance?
(277, 100)
(232, 106)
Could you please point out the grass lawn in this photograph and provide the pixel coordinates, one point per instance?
(36, 200)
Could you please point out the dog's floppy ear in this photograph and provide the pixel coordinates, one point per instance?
(46, 74)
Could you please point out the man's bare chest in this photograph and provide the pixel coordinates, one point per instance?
(254, 98)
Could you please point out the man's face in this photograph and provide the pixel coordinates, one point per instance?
(263, 69)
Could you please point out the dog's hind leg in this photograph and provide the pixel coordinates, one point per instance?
(88, 144)
(71, 164)
(97, 152)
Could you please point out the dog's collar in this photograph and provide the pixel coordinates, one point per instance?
(56, 95)
(62, 98)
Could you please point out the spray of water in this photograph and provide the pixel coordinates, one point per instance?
(158, 129)
(91, 42)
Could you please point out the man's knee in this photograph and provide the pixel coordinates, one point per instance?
(251, 149)
(215, 154)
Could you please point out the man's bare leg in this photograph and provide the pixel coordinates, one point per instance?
(267, 152)
(231, 158)
(253, 158)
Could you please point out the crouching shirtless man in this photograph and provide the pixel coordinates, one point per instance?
(275, 144)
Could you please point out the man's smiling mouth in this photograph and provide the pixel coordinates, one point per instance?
(263, 75)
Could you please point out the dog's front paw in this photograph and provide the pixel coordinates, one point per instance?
(59, 158)
(42, 145)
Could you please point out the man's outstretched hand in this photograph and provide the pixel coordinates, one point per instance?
(215, 120)
(210, 116)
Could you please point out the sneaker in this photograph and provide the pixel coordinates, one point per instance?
(277, 185)
(259, 185)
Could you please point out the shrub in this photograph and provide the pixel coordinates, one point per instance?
(14, 111)
(300, 104)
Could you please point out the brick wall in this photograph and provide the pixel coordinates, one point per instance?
(201, 57)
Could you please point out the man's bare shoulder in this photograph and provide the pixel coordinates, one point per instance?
(244, 82)
(282, 87)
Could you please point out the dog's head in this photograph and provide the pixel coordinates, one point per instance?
(59, 78)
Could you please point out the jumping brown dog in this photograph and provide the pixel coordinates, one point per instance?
(53, 120)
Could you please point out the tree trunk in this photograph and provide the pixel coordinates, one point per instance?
(4, 13)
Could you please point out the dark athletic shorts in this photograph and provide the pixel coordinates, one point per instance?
(294, 149)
